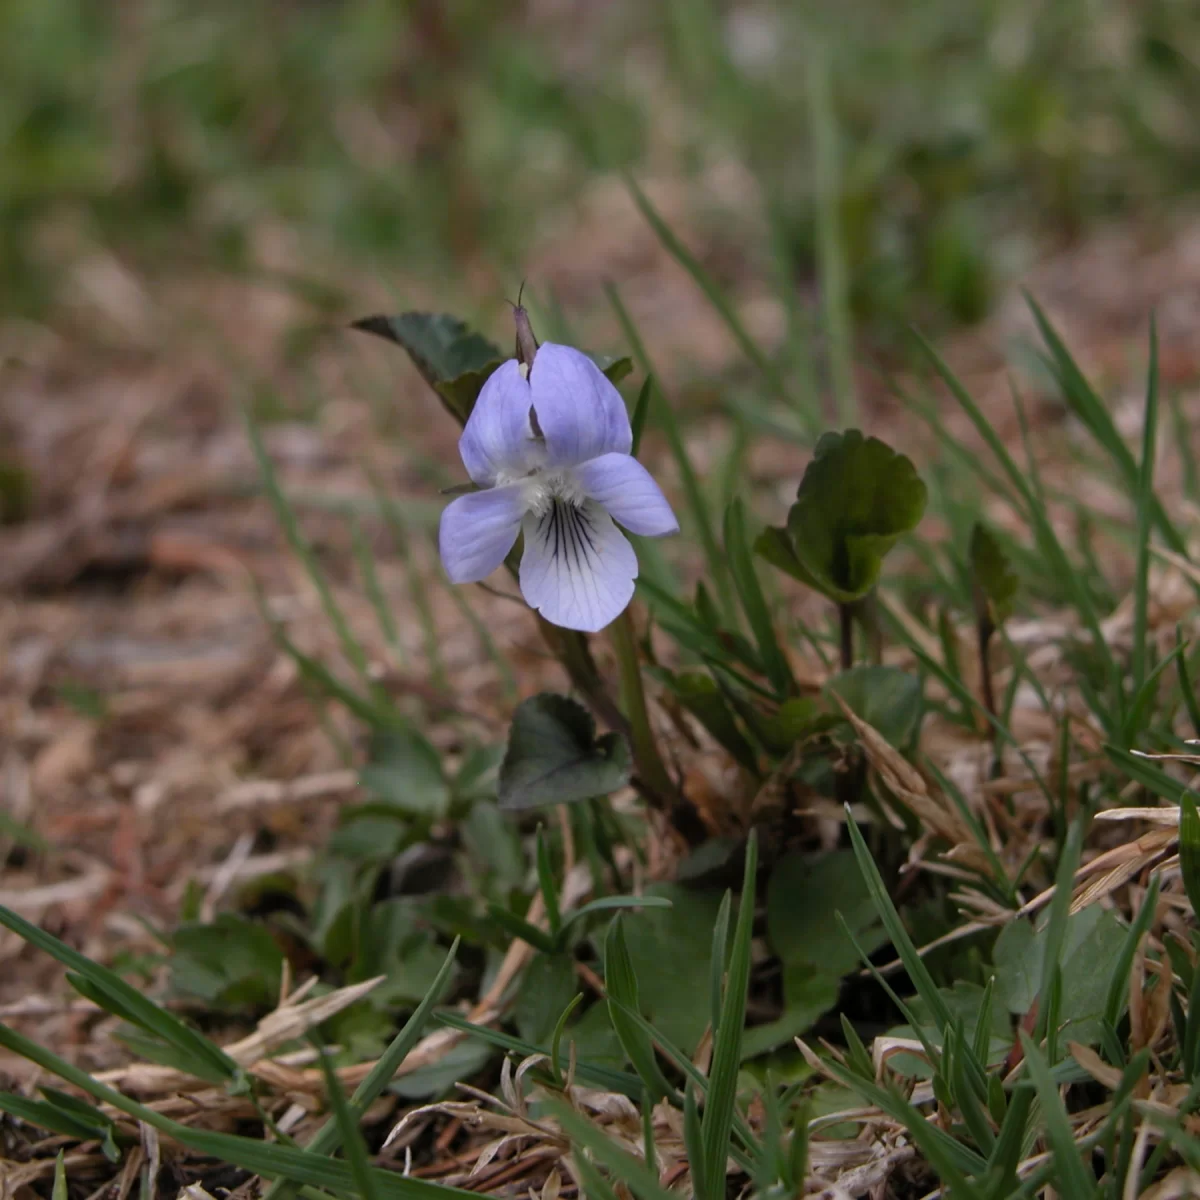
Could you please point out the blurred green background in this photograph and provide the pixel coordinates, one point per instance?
(442, 141)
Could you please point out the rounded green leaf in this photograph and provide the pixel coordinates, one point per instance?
(554, 756)
(857, 497)
(992, 575)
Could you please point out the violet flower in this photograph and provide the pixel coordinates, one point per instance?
(549, 445)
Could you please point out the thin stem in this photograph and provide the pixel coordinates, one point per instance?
(985, 667)
(649, 763)
(846, 623)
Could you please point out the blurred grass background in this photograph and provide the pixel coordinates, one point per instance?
(443, 140)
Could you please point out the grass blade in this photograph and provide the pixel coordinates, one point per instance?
(1145, 519)
(694, 496)
(754, 604)
(209, 1060)
(831, 264)
(348, 1130)
(1091, 410)
(251, 1154)
(328, 1138)
(1073, 1182)
(1047, 540)
(286, 516)
(719, 1106)
(716, 297)
(621, 988)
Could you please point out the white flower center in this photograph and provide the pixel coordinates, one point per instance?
(541, 487)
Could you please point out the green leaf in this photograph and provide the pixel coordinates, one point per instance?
(1093, 940)
(404, 769)
(394, 942)
(803, 894)
(453, 359)
(547, 987)
(641, 409)
(992, 574)
(554, 756)
(887, 698)
(615, 369)
(229, 963)
(857, 497)
(1189, 849)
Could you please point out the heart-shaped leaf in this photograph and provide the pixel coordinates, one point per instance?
(857, 497)
(454, 359)
(555, 757)
(404, 769)
(615, 369)
(887, 698)
(993, 576)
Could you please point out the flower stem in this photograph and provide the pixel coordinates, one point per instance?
(633, 699)
(846, 630)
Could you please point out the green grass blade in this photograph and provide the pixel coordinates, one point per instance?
(718, 570)
(831, 263)
(1189, 850)
(55, 1119)
(641, 410)
(374, 590)
(1052, 551)
(130, 1002)
(508, 679)
(638, 1176)
(327, 1139)
(59, 1190)
(621, 989)
(1187, 689)
(727, 1037)
(1009, 1146)
(1056, 922)
(1118, 984)
(716, 966)
(251, 1154)
(1144, 503)
(963, 1159)
(1073, 1181)
(286, 515)
(754, 604)
(624, 1082)
(545, 874)
(1091, 410)
(1147, 773)
(399, 529)
(905, 948)
(716, 297)
(348, 1131)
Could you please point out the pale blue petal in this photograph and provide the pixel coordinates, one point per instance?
(578, 567)
(581, 414)
(498, 436)
(631, 496)
(478, 530)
